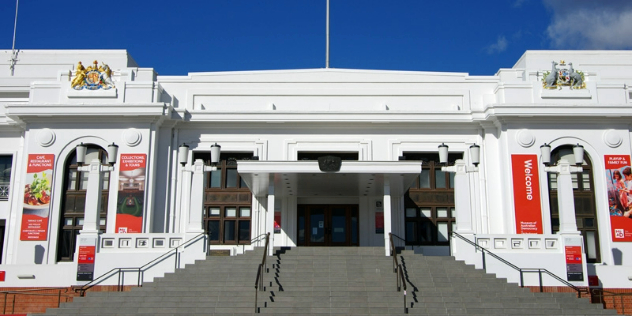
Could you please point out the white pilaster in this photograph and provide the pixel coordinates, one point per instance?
(565, 199)
(270, 218)
(387, 217)
(462, 203)
(196, 205)
(93, 196)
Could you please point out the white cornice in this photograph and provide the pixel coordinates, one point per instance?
(30, 112)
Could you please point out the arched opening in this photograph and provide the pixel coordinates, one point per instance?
(74, 201)
(584, 196)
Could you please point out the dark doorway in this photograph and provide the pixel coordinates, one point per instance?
(328, 225)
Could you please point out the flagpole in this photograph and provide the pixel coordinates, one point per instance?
(15, 26)
(327, 54)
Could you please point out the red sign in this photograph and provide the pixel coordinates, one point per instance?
(3, 275)
(573, 254)
(526, 186)
(619, 182)
(36, 207)
(277, 222)
(379, 222)
(131, 194)
(86, 254)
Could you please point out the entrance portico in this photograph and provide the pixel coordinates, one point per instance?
(272, 180)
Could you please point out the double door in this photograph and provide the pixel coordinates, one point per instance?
(328, 225)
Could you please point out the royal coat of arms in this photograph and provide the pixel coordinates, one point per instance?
(93, 77)
(561, 75)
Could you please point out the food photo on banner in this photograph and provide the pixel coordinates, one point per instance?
(39, 175)
(619, 180)
(131, 194)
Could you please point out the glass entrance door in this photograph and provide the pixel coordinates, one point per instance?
(327, 225)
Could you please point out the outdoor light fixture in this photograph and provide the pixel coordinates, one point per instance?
(183, 154)
(215, 149)
(112, 153)
(81, 153)
(545, 154)
(475, 154)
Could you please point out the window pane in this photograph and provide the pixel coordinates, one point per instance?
(442, 212)
(213, 230)
(426, 232)
(586, 180)
(424, 179)
(411, 232)
(84, 180)
(440, 179)
(591, 245)
(80, 221)
(66, 244)
(589, 222)
(68, 221)
(106, 181)
(574, 180)
(442, 229)
(244, 212)
(244, 230)
(230, 212)
(426, 212)
(231, 178)
(229, 230)
(5, 168)
(102, 221)
(213, 211)
(411, 212)
(553, 181)
(216, 178)
(451, 175)
(72, 179)
(242, 183)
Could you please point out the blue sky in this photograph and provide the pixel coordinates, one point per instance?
(177, 37)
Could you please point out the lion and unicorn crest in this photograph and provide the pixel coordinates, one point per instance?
(93, 77)
(564, 75)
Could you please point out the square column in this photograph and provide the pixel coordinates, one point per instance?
(194, 218)
(565, 198)
(270, 218)
(462, 205)
(93, 196)
(387, 217)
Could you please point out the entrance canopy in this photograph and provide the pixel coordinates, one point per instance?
(304, 178)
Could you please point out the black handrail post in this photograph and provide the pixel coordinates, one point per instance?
(540, 280)
(138, 282)
(4, 311)
(484, 264)
(521, 278)
(58, 298)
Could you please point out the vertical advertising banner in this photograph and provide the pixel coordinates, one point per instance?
(86, 258)
(38, 179)
(619, 180)
(526, 187)
(574, 262)
(131, 194)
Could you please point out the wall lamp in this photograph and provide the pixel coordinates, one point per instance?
(475, 155)
(183, 154)
(578, 152)
(82, 149)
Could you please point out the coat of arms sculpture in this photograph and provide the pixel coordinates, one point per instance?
(564, 75)
(92, 78)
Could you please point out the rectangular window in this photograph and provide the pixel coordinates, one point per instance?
(5, 177)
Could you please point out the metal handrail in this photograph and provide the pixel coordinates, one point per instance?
(26, 292)
(393, 252)
(141, 270)
(262, 268)
(521, 270)
(601, 294)
(401, 280)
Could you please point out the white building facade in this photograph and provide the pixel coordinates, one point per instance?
(377, 134)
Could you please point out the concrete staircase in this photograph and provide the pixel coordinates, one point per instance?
(338, 281)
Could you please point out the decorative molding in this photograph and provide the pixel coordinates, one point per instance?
(132, 137)
(525, 138)
(46, 137)
(612, 138)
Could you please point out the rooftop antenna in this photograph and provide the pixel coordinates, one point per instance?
(327, 55)
(14, 54)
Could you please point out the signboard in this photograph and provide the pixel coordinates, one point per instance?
(619, 181)
(526, 188)
(86, 259)
(131, 194)
(277, 222)
(379, 222)
(574, 262)
(36, 207)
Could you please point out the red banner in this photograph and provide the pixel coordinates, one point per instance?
(36, 207)
(131, 193)
(526, 186)
(619, 180)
